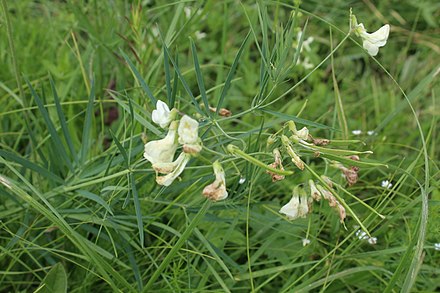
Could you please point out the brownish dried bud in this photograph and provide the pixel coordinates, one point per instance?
(276, 165)
(351, 175)
(320, 141)
(354, 157)
(316, 154)
(342, 213)
(222, 112)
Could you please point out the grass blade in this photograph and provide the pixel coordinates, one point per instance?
(199, 77)
(86, 142)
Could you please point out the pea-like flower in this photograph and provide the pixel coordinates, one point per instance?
(372, 41)
(217, 190)
(298, 206)
(173, 169)
(189, 135)
(162, 114)
(162, 150)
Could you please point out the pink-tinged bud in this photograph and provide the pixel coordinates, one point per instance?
(216, 190)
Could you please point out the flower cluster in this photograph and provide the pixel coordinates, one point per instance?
(293, 142)
(160, 153)
(185, 133)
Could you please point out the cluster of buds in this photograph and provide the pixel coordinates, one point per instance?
(160, 153)
(184, 132)
(301, 204)
(292, 143)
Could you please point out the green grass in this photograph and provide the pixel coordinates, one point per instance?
(79, 205)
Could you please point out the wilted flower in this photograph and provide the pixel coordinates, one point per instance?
(372, 42)
(162, 151)
(314, 192)
(295, 158)
(333, 202)
(189, 135)
(277, 164)
(162, 114)
(174, 169)
(350, 174)
(217, 190)
(297, 207)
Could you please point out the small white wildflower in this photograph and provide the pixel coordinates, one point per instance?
(162, 151)
(5, 181)
(362, 235)
(306, 43)
(162, 114)
(200, 35)
(371, 132)
(306, 63)
(217, 190)
(372, 42)
(386, 184)
(306, 241)
(189, 135)
(437, 246)
(242, 180)
(372, 240)
(296, 208)
(155, 31)
(357, 132)
(176, 169)
(187, 11)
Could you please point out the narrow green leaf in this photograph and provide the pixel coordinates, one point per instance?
(140, 79)
(95, 198)
(297, 119)
(86, 141)
(120, 148)
(231, 73)
(137, 207)
(199, 77)
(62, 120)
(56, 140)
(166, 65)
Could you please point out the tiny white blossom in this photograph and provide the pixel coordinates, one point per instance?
(306, 241)
(386, 184)
(362, 235)
(187, 11)
(371, 132)
(372, 42)
(162, 114)
(177, 168)
(372, 240)
(162, 151)
(200, 35)
(306, 43)
(303, 133)
(357, 132)
(217, 190)
(242, 180)
(437, 246)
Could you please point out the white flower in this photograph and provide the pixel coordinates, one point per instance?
(372, 240)
(242, 180)
(437, 246)
(362, 235)
(306, 43)
(306, 241)
(187, 11)
(162, 151)
(371, 132)
(200, 35)
(176, 168)
(357, 132)
(217, 190)
(296, 208)
(386, 184)
(303, 133)
(162, 114)
(372, 42)
(189, 135)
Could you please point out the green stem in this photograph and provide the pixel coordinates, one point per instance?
(236, 151)
(12, 48)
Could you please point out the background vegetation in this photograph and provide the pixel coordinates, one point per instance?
(76, 103)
